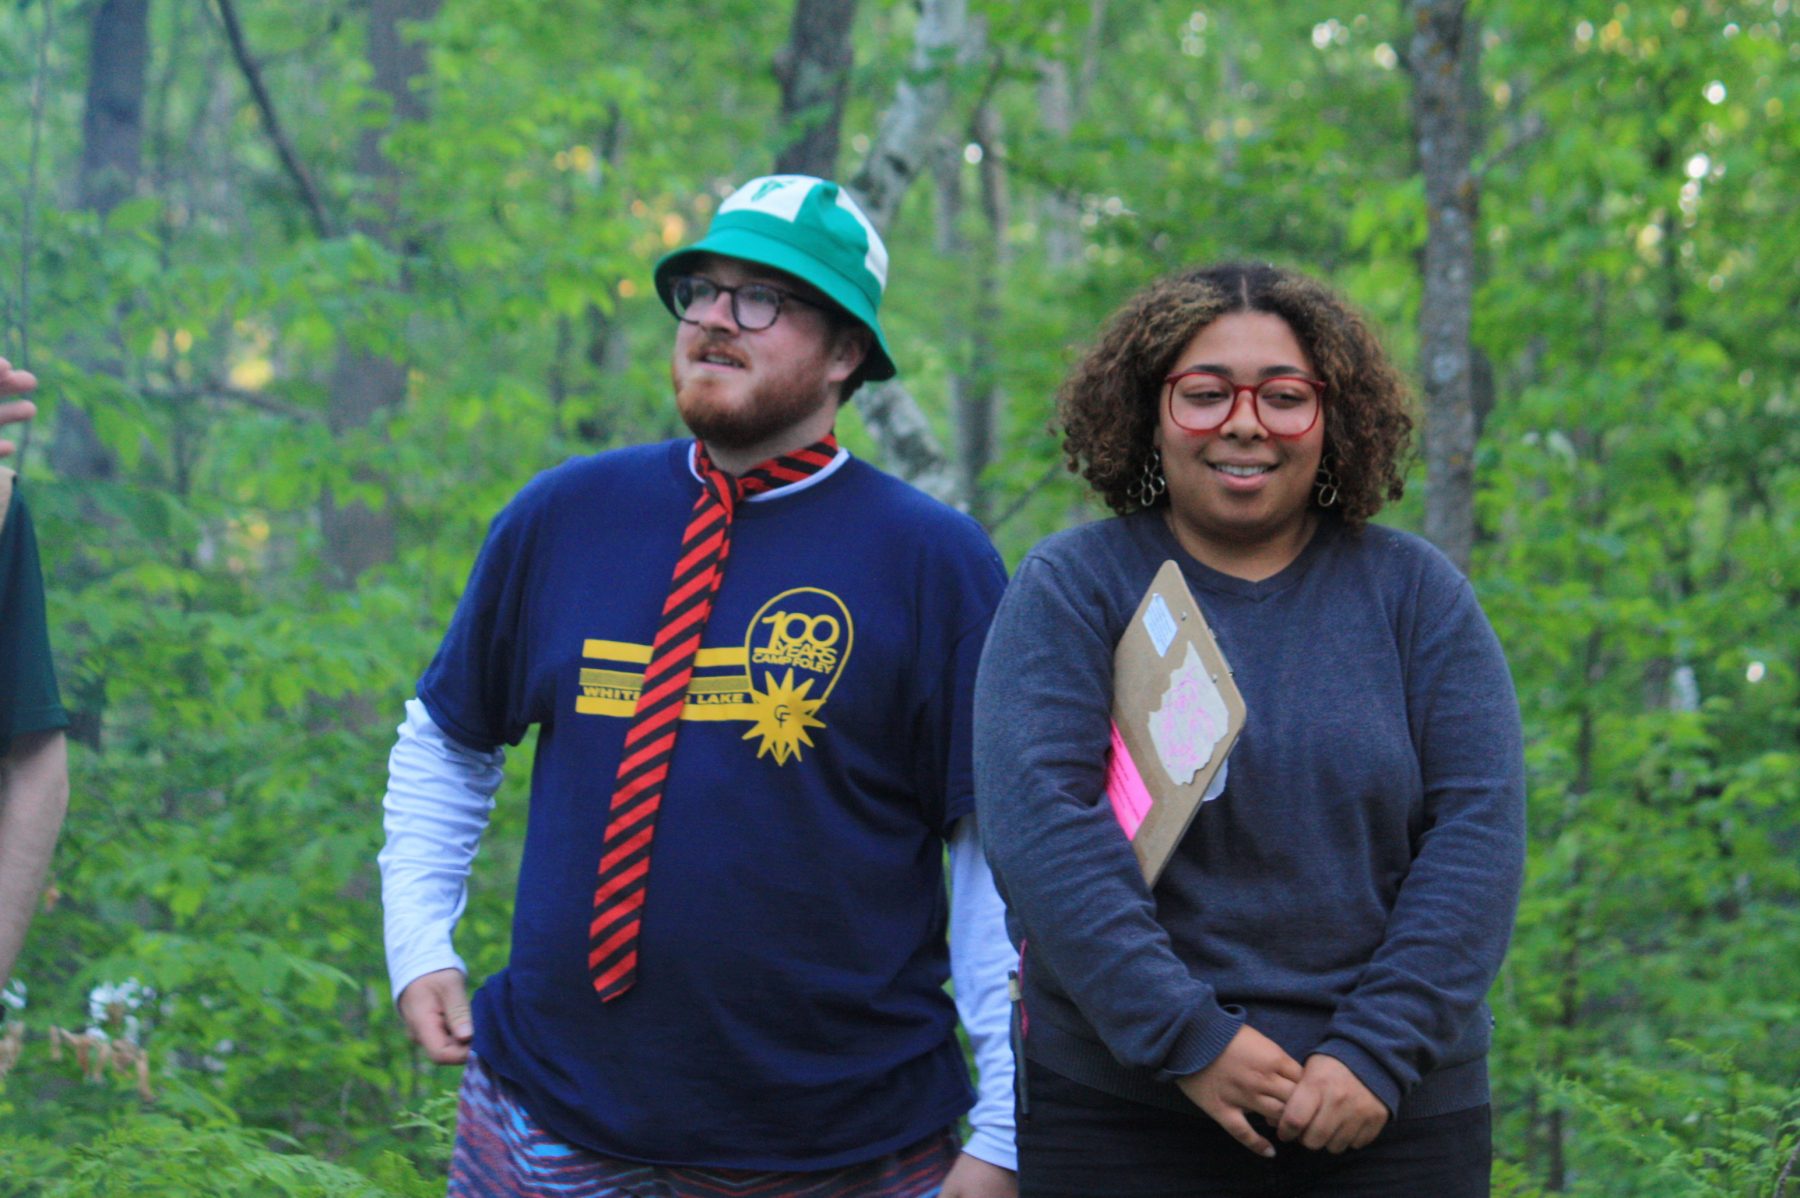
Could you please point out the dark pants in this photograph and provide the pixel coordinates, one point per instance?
(1083, 1143)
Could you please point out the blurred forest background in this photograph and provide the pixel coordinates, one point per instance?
(315, 287)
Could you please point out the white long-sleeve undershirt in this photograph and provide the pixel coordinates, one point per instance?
(439, 796)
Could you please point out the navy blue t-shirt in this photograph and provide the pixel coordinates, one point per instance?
(789, 1010)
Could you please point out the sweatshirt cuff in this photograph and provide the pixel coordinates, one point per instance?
(1368, 1071)
(1201, 1042)
(404, 973)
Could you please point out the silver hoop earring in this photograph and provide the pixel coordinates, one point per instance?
(1150, 483)
(1325, 484)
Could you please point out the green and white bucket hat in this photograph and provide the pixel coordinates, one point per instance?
(809, 228)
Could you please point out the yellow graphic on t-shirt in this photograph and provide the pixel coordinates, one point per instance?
(795, 647)
(783, 714)
(805, 630)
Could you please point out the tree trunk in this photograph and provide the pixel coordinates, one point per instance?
(606, 346)
(813, 69)
(983, 415)
(365, 385)
(909, 128)
(112, 140)
(1441, 57)
(112, 124)
(951, 246)
(1061, 102)
(895, 422)
(1060, 216)
(974, 393)
(904, 141)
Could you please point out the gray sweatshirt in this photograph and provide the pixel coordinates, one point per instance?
(1353, 889)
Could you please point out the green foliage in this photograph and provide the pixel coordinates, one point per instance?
(1707, 1130)
(155, 1154)
(1637, 509)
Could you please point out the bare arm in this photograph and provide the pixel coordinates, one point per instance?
(34, 795)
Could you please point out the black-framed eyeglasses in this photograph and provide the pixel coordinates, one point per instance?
(754, 306)
(1287, 407)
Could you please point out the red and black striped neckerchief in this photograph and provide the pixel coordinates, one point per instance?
(650, 740)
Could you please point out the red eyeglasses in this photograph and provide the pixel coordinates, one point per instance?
(1202, 402)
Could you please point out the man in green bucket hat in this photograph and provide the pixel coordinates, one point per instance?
(750, 658)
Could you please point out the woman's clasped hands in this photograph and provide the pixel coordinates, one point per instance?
(1322, 1105)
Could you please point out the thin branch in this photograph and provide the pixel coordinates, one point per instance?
(315, 208)
(1532, 126)
(1527, 131)
(249, 399)
(978, 114)
(26, 248)
(1049, 476)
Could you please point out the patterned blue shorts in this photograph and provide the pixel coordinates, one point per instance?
(501, 1152)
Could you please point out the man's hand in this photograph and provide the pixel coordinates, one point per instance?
(1331, 1108)
(1253, 1074)
(972, 1177)
(15, 382)
(435, 1007)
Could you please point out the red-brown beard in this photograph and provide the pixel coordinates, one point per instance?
(741, 426)
(777, 400)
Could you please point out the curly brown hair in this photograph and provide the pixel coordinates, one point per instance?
(1108, 404)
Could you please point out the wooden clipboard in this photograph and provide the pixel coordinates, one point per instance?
(1176, 714)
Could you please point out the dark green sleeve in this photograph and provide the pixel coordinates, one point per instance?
(29, 701)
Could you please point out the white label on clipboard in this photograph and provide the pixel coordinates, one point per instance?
(1187, 728)
(1159, 622)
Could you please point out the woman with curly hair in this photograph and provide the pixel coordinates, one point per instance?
(1309, 969)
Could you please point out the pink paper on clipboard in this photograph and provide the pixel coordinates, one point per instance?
(1125, 790)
